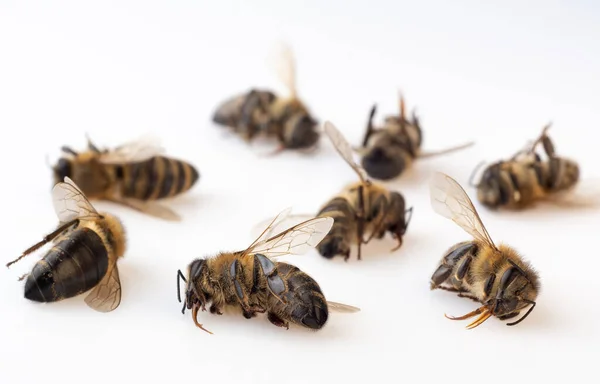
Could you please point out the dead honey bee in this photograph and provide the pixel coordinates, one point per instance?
(133, 174)
(262, 112)
(496, 277)
(86, 247)
(253, 281)
(362, 207)
(389, 150)
(526, 178)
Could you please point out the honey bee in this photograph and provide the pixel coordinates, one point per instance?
(262, 112)
(526, 178)
(86, 246)
(362, 207)
(389, 150)
(496, 277)
(133, 174)
(253, 281)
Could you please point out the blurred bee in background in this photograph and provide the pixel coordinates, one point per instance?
(362, 207)
(261, 112)
(526, 178)
(86, 246)
(253, 281)
(134, 174)
(389, 150)
(496, 277)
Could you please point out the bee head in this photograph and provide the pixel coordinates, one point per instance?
(192, 295)
(515, 292)
(300, 131)
(489, 190)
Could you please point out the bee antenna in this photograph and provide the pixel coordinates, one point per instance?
(527, 314)
(474, 173)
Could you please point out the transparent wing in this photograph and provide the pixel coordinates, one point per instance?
(106, 296)
(151, 208)
(284, 64)
(142, 149)
(70, 202)
(266, 233)
(450, 200)
(296, 240)
(344, 149)
(282, 223)
(339, 307)
(586, 194)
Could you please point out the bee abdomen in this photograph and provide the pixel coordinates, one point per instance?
(306, 305)
(158, 178)
(339, 237)
(73, 266)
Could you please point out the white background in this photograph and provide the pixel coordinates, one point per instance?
(493, 73)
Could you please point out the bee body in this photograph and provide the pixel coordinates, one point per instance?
(497, 277)
(525, 179)
(86, 247)
(252, 281)
(133, 174)
(231, 280)
(261, 112)
(380, 210)
(77, 262)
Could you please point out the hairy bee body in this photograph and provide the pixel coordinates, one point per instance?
(391, 149)
(252, 283)
(262, 112)
(517, 184)
(384, 211)
(484, 274)
(78, 261)
(155, 178)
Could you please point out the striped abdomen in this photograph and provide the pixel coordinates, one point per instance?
(339, 239)
(156, 178)
(305, 303)
(74, 265)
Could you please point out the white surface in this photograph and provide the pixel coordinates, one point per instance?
(121, 69)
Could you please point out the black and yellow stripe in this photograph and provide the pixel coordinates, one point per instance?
(157, 178)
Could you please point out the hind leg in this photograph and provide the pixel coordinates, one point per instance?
(276, 320)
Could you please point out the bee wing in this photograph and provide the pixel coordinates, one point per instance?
(343, 308)
(450, 200)
(283, 222)
(284, 64)
(141, 149)
(106, 296)
(70, 202)
(152, 208)
(343, 148)
(296, 240)
(586, 194)
(268, 229)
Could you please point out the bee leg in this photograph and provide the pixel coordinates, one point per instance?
(370, 129)
(276, 152)
(509, 316)
(23, 277)
(276, 320)
(451, 289)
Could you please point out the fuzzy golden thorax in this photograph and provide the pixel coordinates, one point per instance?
(86, 171)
